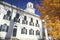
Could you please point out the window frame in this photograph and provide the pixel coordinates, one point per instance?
(8, 15)
(16, 18)
(25, 17)
(37, 24)
(31, 19)
(31, 32)
(23, 30)
(37, 32)
(4, 28)
(14, 32)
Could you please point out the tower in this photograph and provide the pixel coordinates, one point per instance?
(30, 8)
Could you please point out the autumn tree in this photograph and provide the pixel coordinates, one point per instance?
(50, 10)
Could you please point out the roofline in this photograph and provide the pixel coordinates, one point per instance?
(17, 8)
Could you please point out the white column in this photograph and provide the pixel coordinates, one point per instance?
(46, 34)
(45, 29)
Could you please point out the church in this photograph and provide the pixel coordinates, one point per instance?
(19, 24)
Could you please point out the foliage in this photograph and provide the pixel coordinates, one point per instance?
(50, 10)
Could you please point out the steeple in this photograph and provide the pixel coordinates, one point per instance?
(30, 8)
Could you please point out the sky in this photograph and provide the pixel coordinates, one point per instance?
(22, 4)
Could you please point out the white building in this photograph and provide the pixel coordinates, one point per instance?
(19, 24)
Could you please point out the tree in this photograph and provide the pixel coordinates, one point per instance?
(50, 10)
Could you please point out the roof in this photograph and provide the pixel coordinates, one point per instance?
(17, 8)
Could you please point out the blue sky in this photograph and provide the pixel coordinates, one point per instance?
(22, 3)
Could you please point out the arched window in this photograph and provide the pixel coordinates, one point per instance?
(24, 31)
(31, 32)
(37, 32)
(8, 13)
(4, 28)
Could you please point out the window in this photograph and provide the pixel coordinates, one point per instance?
(31, 22)
(0, 27)
(8, 15)
(17, 15)
(37, 25)
(14, 32)
(4, 17)
(16, 19)
(31, 32)
(10, 18)
(24, 31)
(7, 29)
(31, 19)
(25, 20)
(37, 21)
(25, 17)
(37, 32)
(4, 28)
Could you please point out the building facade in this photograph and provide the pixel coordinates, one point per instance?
(19, 24)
